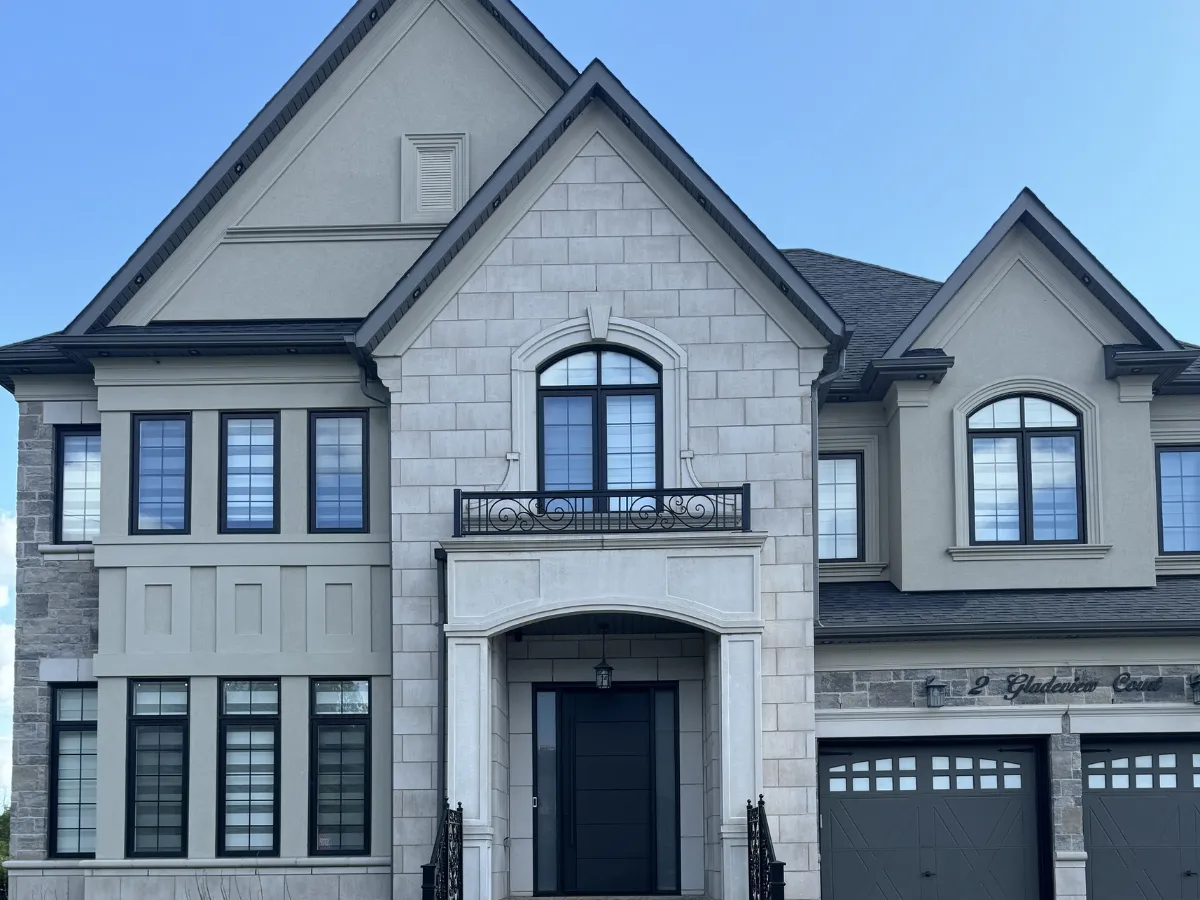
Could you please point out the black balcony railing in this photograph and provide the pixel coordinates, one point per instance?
(442, 876)
(599, 512)
(766, 872)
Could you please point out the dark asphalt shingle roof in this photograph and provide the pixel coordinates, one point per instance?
(876, 606)
(879, 303)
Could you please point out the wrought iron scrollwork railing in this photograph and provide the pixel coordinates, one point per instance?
(597, 512)
(766, 872)
(442, 877)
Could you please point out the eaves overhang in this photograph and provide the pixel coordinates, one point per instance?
(597, 83)
(265, 127)
(1164, 365)
(881, 374)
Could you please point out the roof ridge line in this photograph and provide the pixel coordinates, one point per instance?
(861, 262)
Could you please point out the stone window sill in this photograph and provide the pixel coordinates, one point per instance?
(851, 571)
(1029, 551)
(67, 551)
(1177, 564)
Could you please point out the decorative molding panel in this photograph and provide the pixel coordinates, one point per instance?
(434, 181)
(982, 552)
(284, 234)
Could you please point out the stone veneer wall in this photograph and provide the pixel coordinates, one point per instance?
(600, 235)
(57, 604)
(906, 687)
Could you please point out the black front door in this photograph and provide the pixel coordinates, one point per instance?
(616, 825)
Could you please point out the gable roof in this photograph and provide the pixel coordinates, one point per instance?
(597, 83)
(1029, 211)
(877, 303)
(265, 127)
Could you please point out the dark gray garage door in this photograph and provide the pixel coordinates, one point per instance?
(929, 822)
(1141, 818)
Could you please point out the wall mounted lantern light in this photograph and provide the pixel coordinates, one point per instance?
(1194, 681)
(604, 671)
(935, 692)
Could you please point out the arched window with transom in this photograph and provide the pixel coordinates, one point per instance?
(1026, 472)
(599, 422)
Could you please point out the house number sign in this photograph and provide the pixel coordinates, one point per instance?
(1023, 683)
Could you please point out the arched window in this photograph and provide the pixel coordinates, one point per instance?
(599, 422)
(1026, 472)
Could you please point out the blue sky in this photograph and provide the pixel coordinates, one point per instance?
(891, 132)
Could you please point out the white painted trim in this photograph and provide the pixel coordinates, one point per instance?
(226, 370)
(469, 728)
(851, 571)
(959, 721)
(1135, 388)
(1173, 564)
(1089, 414)
(1140, 718)
(741, 747)
(1175, 430)
(65, 670)
(1028, 552)
(184, 663)
(578, 332)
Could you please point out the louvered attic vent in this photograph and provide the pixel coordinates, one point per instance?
(434, 177)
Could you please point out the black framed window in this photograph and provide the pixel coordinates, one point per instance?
(840, 506)
(1026, 472)
(248, 769)
(340, 799)
(600, 422)
(77, 484)
(156, 785)
(250, 472)
(1179, 499)
(73, 771)
(162, 473)
(337, 471)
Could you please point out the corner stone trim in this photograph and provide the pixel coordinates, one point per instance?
(57, 603)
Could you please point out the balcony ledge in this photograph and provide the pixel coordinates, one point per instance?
(1028, 551)
(603, 541)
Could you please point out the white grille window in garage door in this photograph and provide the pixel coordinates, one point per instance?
(1139, 771)
(968, 773)
(889, 775)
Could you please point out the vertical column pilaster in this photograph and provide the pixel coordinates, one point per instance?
(741, 752)
(469, 755)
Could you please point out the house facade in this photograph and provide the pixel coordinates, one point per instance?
(457, 438)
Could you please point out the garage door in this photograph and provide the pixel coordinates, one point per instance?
(929, 822)
(1141, 818)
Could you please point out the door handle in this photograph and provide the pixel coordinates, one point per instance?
(1190, 872)
(928, 874)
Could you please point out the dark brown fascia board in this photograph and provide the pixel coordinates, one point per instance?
(864, 634)
(1057, 238)
(264, 342)
(166, 238)
(598, 83)
(1165, 365)
(881, 374)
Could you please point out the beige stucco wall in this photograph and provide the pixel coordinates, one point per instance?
(1022, 316)
(429, 67)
